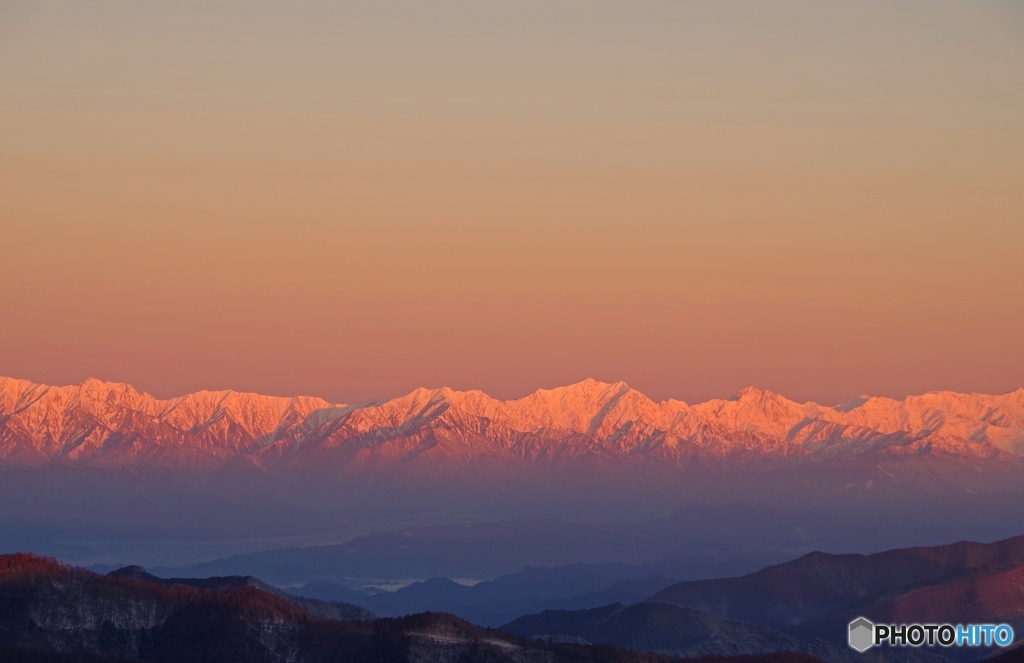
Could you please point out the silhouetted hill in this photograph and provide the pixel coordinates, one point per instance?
(660, 627)
(814, 585)
(495, 602)
(54, 613)
(562, 623)
(673, 630)
(687, 544)
(332, 609)
(805, 605)
(990, 595)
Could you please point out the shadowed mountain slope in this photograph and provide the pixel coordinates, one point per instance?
(331, 609)
(806, 605)
(661, 627)
(819, 583)
(51, 612)
(990, 594)
(495, 602)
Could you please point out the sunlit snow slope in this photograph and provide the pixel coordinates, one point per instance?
(108, 424)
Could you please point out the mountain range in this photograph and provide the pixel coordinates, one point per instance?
(803, 591)
(794, 611)
(51, 613)
(806, 604)
(590, 423)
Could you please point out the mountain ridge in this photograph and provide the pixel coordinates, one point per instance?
(56, 612)
(807, 603)
(114, 424)
(813, 585)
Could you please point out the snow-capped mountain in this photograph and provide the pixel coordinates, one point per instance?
(109, 424)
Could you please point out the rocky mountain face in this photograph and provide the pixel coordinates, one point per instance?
(114, 425)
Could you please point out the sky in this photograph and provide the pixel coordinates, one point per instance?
(354, 199)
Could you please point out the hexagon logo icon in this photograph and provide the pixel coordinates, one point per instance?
(862, 634)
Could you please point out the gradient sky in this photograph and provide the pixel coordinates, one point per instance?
(351, 199)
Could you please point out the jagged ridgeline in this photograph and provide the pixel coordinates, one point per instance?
(107, 424)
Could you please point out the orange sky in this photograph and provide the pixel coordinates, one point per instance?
(354, 199)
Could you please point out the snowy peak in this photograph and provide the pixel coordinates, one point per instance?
(577, 407)
(115, 424)
(758, 402)
(751, 394)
